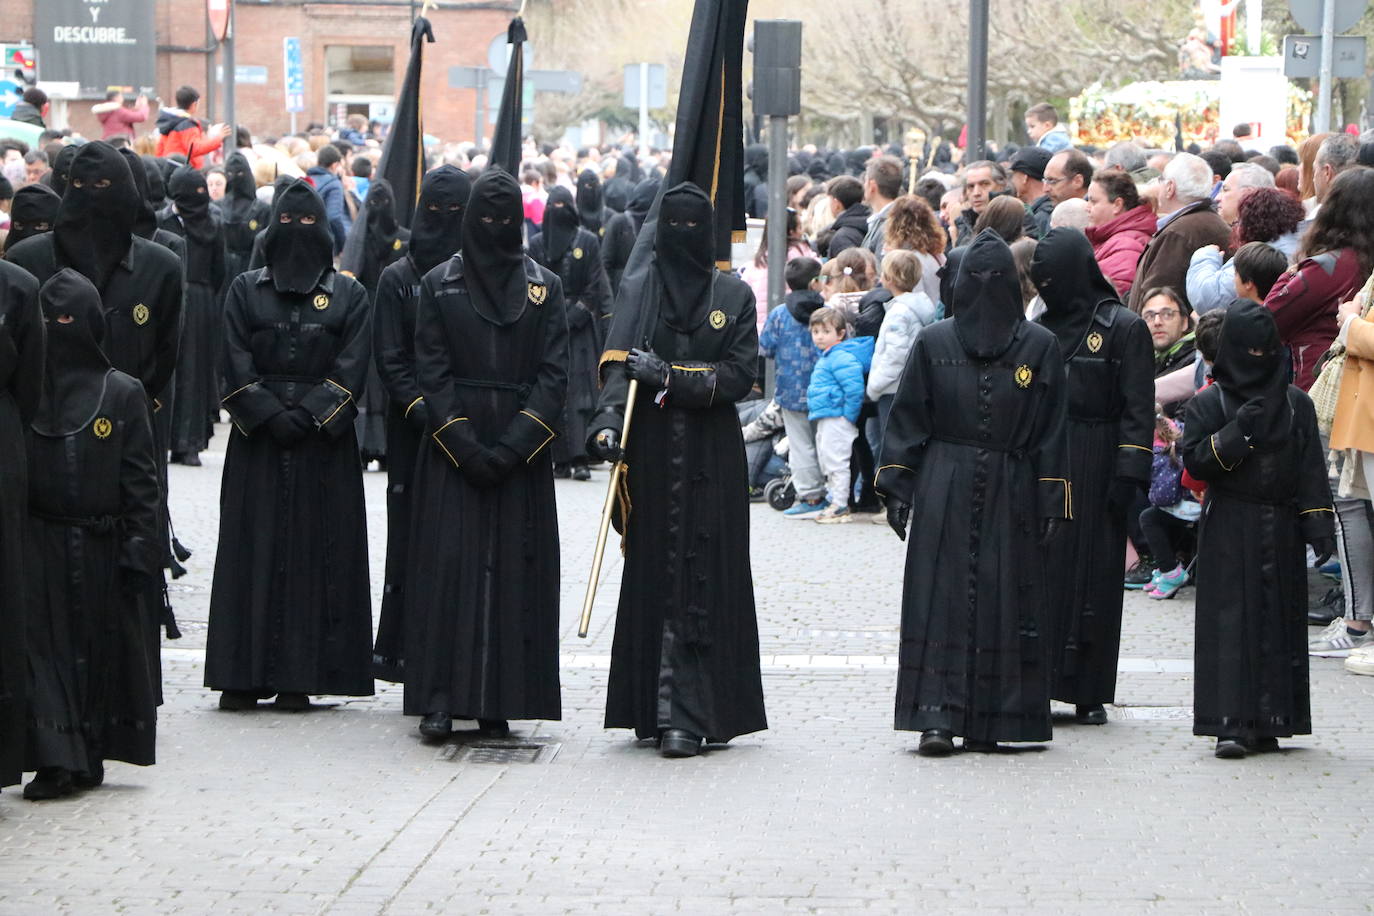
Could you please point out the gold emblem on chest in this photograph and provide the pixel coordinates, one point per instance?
(102, 427)
(717, 319)
(1024, 376)
(1094, 342)
(321, 302)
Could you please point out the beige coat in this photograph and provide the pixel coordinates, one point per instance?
(1353, 426)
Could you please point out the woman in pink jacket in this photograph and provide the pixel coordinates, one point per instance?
(1119, 227)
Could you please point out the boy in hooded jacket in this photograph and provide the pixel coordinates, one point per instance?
(835, 397)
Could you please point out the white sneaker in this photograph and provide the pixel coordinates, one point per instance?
(1336, 642)
(1361, 660)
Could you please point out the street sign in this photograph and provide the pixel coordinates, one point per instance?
(294, 73)
(567, 82)
(218, 11)
(658, 86)
(467, 77)
(245, 75)
(498, 54)
(1302, 56)
(1308, 14)
(496, 84)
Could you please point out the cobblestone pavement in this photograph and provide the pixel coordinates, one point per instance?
(344, 810)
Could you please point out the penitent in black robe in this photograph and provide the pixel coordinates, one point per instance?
(372, 423)
(587, 292)
(290, 607)
(1110, 426)
(196, 389)
(686, 648)
(96, 518)
(481, 611)
(976, 446)
(21, 375)
(1250, 650)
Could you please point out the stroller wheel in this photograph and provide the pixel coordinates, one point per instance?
(780, 493)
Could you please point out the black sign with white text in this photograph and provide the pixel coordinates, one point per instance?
(96, 44)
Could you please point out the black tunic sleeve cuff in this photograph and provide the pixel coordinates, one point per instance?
(1133, 461)
(455, 440)
(691, 384)
(1056, 497)
(332, 406)
(1317, 523)
(528, 434)
(896, 481)
(251, 406)
(1229, 446)
(140, 554)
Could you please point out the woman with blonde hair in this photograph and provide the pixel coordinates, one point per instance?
(1307, 158)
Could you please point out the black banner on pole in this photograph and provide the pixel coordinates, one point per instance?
(96, 44)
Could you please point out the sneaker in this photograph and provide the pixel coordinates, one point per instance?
(804, 509)
(1166, 585)
(835, 515)
(1141, 574)
(1361, 660)
(1336, 642)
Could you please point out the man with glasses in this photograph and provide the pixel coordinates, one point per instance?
(1067, 176)
(1170, 325)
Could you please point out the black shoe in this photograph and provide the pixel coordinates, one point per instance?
(756, 495)
(679, 743)
(1262, 745)
(437, 726)
(1230, 749)
(49, 783)
(1090, 715)
(936, 742)
(562, 471)
(581, 472)
(493, 728)
(980, 747)
(292, 702)
(92, 779)
(191, 459)
(1141, 574)
(238, 700)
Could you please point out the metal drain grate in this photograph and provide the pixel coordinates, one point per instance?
(502, 752)
(1155, 713)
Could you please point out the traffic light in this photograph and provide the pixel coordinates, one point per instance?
(22, 62)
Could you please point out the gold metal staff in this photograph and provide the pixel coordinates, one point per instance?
(607, 510)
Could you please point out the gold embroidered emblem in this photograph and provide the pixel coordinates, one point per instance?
(717, 319)
(321, 302)
(1094, 341)
(601, 232)
(140, 314)
(538, 293)
(396, 245)
(253, 225)
(577, 254)
(1023, 376)
(102, 427)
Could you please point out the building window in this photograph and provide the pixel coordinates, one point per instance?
(353, 71)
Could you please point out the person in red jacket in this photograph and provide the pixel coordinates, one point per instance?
(181, 132)
(1119, 227)
(1333, 263)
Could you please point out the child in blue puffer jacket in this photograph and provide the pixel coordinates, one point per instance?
(834, 398)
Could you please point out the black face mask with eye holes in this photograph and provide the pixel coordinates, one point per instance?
(32, 213)
(95, 222)
(298, 246)
(493, 254)
(436, 232)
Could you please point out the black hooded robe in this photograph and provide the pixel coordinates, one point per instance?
(1110, 364)
(1264, 500)
(492, 364)
(975, 444)
(21, 376)
(242, 214)
(587, 293)
(95, 544)
(623, 229)
(383, 243)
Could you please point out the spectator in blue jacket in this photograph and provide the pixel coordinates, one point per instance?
(786, 339)
(834, 398)
(324, 175)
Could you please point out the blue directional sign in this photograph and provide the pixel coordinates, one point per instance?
(295, 74)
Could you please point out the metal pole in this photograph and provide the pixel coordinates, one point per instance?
(1323, 120)
(229, 75)
(643, 111)
(977, 79)
(481, 110)
(777, 207)
(1254, 26)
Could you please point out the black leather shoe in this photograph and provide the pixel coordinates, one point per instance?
(562, 471)
(493, 728)
(1262, 745)
(437, 725)
(1090, 715)
(973, 745)
(1230, 749)
(936, 742)
(238, 700)
(49, 783)
(677, 742)
(581, 472)
(292, 702)
(92, 779)
(191, 459)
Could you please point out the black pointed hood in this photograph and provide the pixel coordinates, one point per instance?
(1071, 285)
(684, 250)
(590, 201)
(157, 183)
(76, 366)
(948, 273)
(298, 253)
(145, 219)
(95, 222)
(1252, 365)
(493, 254)
(641, 201)
(191, 197)
(988, 293)
(560, 223)
(62, 168)
(436, 233)
(33, 212)
(240, 189)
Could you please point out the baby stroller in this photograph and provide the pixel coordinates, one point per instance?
(780, 492)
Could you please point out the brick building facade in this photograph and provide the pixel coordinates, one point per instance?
(354, 55)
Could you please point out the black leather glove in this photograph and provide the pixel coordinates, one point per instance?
(898, 516)
(503, 461)
(478, 470)
(290, 426)
(1049, 528)
(1121, 492)
(1325, 548)
(605, 444)
(647, 368)
(418, 417)
(578, 317)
